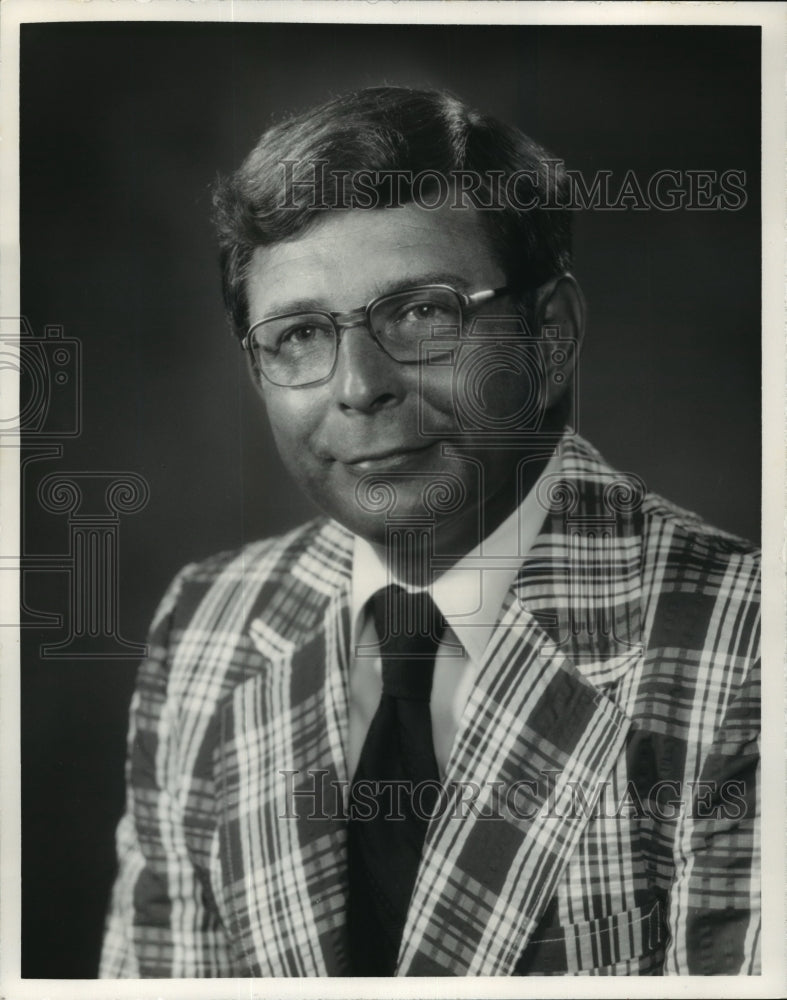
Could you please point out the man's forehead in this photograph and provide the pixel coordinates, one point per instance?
(405, 226)
(376, 248)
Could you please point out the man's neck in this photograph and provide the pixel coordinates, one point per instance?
(449, 541)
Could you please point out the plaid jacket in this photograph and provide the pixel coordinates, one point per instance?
(599, 813)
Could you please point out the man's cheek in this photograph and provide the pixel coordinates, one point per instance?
(479, 391)
(289, 423)
(285, 444)
(435, 401)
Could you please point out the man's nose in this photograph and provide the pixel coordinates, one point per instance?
(366, 379)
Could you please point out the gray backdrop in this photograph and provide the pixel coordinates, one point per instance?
(123, 128)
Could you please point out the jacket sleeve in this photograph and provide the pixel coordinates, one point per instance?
(715, 899)
(161, 921)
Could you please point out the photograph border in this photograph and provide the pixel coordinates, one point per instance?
(772, 19)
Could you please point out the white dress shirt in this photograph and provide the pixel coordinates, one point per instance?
(470, 599)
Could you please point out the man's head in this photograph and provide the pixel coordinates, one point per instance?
(385, 191)
(367, 148)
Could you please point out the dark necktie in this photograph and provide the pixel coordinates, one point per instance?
(397, 776)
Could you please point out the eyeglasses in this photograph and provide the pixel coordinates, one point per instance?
(300, 349)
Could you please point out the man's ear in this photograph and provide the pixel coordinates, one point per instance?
(560, 325)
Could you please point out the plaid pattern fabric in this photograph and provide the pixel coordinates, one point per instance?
(599, 813)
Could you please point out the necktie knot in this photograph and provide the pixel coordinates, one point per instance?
(409, 627)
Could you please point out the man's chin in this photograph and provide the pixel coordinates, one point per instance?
(373, 528)
(438, 506)
(411, 528)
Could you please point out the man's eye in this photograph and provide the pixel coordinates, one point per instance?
(299, 334)
(421, 312)
(303, 335)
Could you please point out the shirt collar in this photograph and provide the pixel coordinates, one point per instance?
(469, 597)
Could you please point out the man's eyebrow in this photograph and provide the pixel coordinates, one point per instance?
(301, 305)
(428, 278)
(288, 306)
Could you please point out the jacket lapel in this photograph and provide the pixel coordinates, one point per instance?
(541, 721)
(281, 765)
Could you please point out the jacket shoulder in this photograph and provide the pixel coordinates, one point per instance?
(701, 596)
(273, 553)
(687, 530)
(282, 580)
(659, 520)
(220, 613)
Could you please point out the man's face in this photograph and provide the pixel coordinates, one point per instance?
(371, 415)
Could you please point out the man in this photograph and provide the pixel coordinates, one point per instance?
(497, 712)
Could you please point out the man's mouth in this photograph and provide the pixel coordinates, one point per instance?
(386, 458)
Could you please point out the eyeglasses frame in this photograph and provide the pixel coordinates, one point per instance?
(362, 317)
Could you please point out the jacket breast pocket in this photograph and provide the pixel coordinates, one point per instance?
(627, 943)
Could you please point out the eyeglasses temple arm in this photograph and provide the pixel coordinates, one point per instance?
(478, 298)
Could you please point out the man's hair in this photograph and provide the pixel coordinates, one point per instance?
(366, 149)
